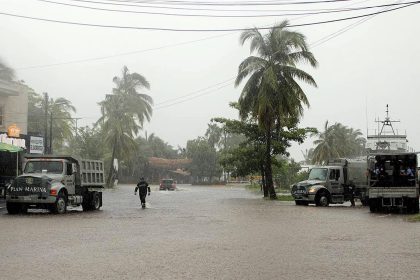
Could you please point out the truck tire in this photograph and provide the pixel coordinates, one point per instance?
(87, 201)
(13, 208)
(96, 201)
(60, 205)
(413, 206)
(322, 199)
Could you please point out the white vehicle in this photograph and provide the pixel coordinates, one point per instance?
(53, 182)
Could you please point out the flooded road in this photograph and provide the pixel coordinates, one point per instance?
(208, 233)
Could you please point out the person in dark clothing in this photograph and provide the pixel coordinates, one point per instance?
(351, 192)
(144, 189)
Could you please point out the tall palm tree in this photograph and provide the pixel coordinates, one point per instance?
(272, 93)
(123, 114)
(326, 146)
(61, 110)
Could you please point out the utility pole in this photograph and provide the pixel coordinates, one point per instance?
(51, 131)
(46, 122)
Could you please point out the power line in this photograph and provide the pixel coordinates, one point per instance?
(312, 45)
(220, 4)
(123, 54)
(342, 30)
(133, 52)
(197, 91)
(201, 30)
(318, 12)
(193, 97)
(185, 8)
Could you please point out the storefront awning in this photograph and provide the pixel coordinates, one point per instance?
(9, 148)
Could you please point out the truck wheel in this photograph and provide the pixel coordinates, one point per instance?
(60, 205)
(413, 206)
(96, 201)
(87, 202)
(322, 200)
(12, 208)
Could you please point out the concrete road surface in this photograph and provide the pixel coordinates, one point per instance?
(208, 233)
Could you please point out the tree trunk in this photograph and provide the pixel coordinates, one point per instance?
(110, 182)
(263, 182)
(268, 169)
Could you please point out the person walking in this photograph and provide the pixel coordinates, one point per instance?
(144, 189)
(351, 192)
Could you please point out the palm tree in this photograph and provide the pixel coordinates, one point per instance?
(61, 110)
(272, 93)
(123, 114)
(326, 146)
(337, 141)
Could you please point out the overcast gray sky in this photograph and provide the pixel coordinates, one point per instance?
(374, 63)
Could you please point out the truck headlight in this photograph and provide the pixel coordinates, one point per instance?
(312, 190)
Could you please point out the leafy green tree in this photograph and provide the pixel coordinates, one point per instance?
(59, 115)
(214, 135)
(87, 143)
(159, 148)
(204, 160)
(337, 141)
(272, 93)
(123, 114)
(286, 172)
(249, 157)
(6, 73)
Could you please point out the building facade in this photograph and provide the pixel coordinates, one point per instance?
(13, 106)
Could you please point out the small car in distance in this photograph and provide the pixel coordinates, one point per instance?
(167, 184)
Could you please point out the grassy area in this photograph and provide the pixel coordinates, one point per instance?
(414, 218)
(282, 195)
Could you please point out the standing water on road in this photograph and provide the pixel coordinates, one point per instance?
(208, 233)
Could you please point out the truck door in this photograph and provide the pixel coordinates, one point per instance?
(69, 179)
(335, 181)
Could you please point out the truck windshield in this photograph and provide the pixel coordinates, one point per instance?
(54, 167)
(318, 174)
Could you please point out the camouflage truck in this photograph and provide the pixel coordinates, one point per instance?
(335, 183)
(393, 181)
(54, 182)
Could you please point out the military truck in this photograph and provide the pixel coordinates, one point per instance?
(335, 183)
(393, 181)
(54, 182)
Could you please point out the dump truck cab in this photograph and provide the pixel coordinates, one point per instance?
(54, 182)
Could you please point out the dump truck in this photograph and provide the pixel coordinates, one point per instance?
(54, 182)
(393, 182)
(335, 183)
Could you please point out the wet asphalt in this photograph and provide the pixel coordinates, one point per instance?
(208, 233)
